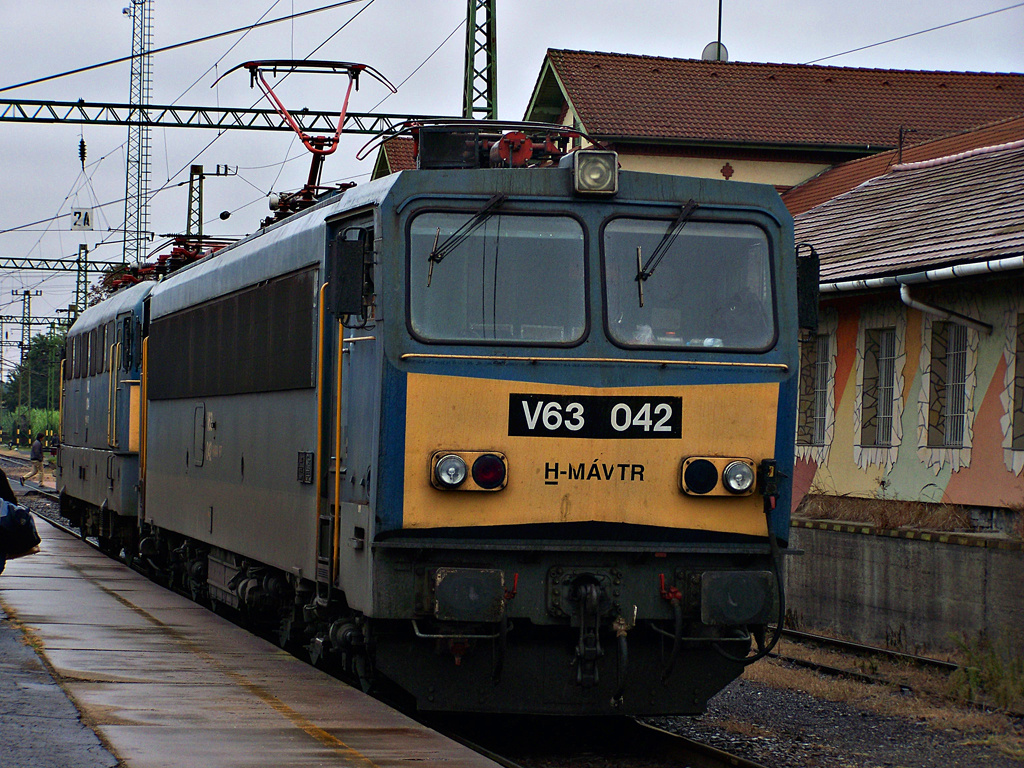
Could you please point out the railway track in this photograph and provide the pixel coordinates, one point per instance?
(874, 654)
(858, 652)
(859, 649)
(616, 742)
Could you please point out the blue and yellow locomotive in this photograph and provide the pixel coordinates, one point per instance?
(509, 439)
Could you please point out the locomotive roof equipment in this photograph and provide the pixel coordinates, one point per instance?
(319, 146)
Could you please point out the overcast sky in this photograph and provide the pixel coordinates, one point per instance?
(41, 176)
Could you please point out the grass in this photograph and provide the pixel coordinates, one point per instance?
(930, 701)
(992, 673)
(886, 513)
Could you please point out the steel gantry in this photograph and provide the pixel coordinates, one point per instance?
(219, 118)
(78, 264)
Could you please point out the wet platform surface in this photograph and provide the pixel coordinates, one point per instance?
(164, 682)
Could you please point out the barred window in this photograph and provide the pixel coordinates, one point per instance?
(814, 382)
(1018, 389)
(947, 410)
(879, 382)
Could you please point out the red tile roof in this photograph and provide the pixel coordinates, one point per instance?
(401, 153)
(394, 155)
(689, 100)
(920, 216)
(845, 177)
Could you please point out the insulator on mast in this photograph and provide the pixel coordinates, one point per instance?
(81, 151)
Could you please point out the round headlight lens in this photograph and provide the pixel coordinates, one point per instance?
(595, 171)
(489, 471)
(450, 471)
(738, 476)
(700, 476)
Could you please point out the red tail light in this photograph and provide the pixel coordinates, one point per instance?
(489, 471)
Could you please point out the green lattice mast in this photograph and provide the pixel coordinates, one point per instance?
(480, 97)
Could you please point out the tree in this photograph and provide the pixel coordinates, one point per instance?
(35, 382)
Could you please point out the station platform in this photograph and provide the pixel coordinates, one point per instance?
(160, 682)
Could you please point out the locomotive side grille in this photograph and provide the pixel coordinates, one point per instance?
(256, 340)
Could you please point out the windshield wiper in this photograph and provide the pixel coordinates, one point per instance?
(644, 271)
(455, 239)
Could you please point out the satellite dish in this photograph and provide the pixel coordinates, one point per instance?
(715, 51)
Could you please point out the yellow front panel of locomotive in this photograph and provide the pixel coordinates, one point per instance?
(573, 479)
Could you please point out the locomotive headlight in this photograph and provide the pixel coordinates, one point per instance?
(450, 471)
(738, 477)
(700, 476)
(595, 172)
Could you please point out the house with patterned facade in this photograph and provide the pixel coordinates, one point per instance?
(913, 387)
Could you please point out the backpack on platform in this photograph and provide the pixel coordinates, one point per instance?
(18, 535)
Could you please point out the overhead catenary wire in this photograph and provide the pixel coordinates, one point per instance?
(915, 34)
(229, 50)
(174, 46)
(29, 226)
(111, 231)
(423, 63)
(168, 183)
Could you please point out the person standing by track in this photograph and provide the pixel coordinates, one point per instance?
(36, 455)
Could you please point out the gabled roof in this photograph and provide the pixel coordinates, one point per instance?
(396, 154)
(937, 213)
(845, 177)
(647, 98)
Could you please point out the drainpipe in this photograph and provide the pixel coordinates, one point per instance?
(945, 314)
(992, 266)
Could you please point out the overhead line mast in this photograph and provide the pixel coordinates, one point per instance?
(136, 202)
(480, 95)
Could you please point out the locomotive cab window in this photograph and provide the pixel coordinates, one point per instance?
(710, 287)
(498, 278)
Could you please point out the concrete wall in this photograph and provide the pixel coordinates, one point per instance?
(905, 589)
